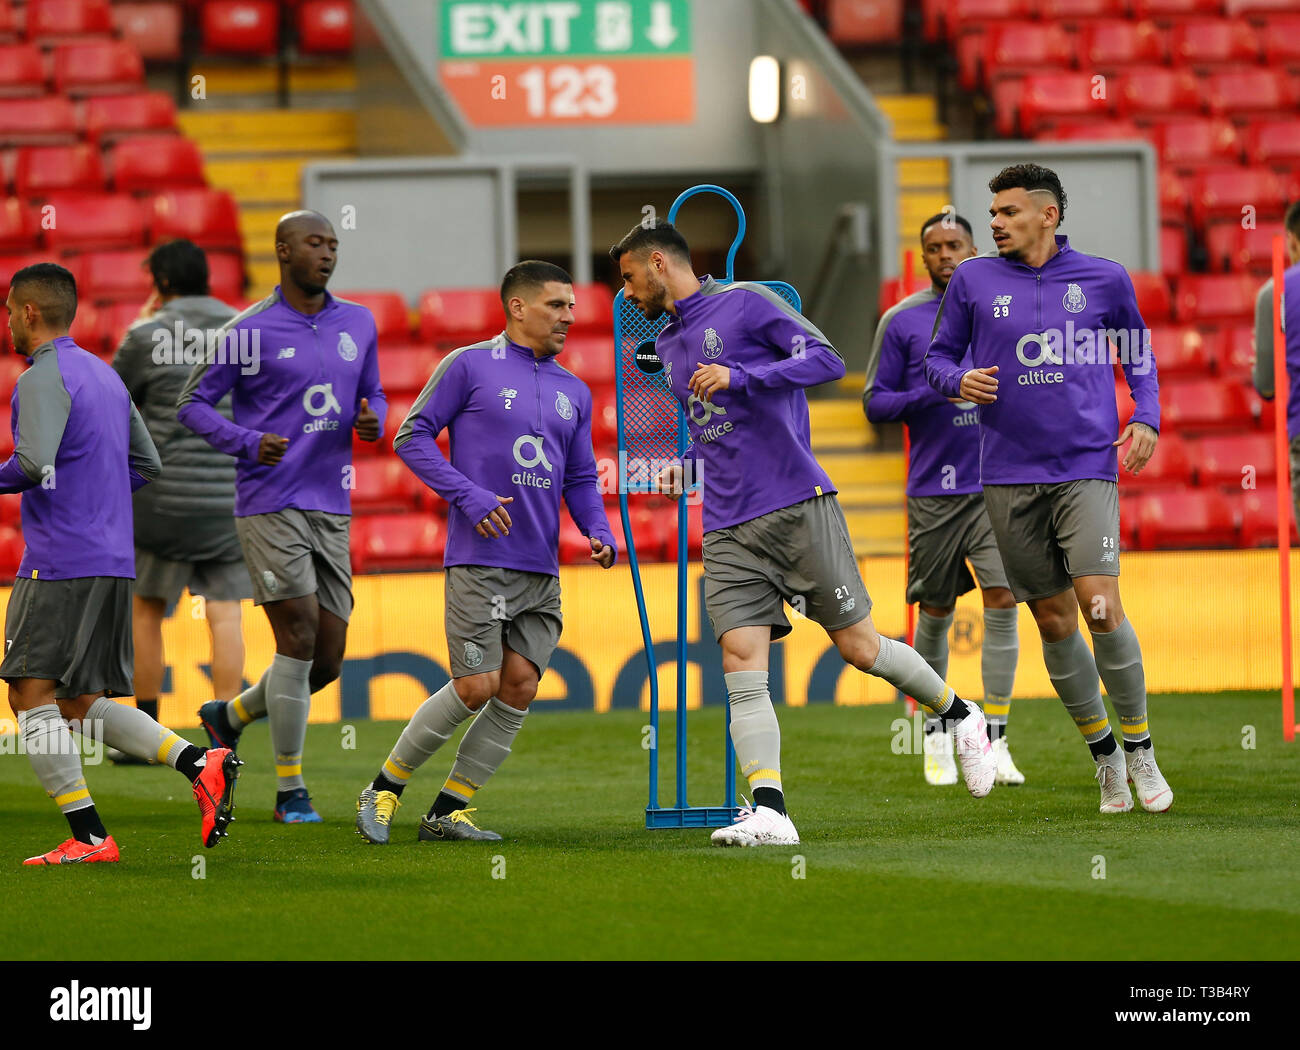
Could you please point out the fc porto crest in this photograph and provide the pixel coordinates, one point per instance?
(563, 405)
(347, 347)
(1074, 300)
(712, 344)
(473, 655)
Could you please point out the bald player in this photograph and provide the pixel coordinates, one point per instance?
(304, 369)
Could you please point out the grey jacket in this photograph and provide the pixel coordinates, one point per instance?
(197, 482)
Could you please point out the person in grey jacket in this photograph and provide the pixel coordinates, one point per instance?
(184, 522)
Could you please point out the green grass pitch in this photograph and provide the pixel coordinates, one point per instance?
(891, 868)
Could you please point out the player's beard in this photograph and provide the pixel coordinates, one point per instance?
(655, 303)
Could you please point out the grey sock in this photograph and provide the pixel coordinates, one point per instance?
(54, 758)
(1119, 660)
(903, 667)
(131, 730)
(754, 729)
(998, 657)
(288, 700)
(1074, 677)
(931, 641)
(483, 748)
(251, 702)
(429, 728)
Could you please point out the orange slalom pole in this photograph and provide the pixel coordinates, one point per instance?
(909, 704)
(1280, 391)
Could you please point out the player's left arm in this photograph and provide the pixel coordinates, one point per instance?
(142, 456)
(582, 491)
(804, 357)
(372, 403)
(39, 431)
(1140, 372)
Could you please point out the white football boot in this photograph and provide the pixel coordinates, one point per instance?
(1113, 778)
(979, 765)
(757, 826)
(940, 766)
(1008, 774)
(1153, 791)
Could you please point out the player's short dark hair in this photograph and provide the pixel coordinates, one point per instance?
(657, 236)
(52, 288)
(1292, 220)
(179, 268)
(949, 217)
(530, 275)
(1031, 177)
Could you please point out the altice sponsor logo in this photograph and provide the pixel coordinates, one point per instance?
(75, 1003)
(179, 345)
(1082, 346)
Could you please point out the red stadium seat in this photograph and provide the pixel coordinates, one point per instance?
(1233, 459)
(51, 20)
(1149, 91)
(392, 318)
(960, 14)
(654, 530)
(1165, 11)
(116, 319)
(1232, 249)
(1170, 466)
(1023, 47)
(1129, 503)
(403, 541)
(90, 328)
(10, 265)
(41, 170)
(209, 218)
(110, 117)
(1206, 43)
(37, 120)
(153, 29)
(18, 226)
(226, 276)
(1188, 142)
(1234, 8)
(97, 67)
(1193, 518)
(384, 483)
(1233, 350)
(1007, 96)
(1175, 197)
(325, 27)
(405, 370)
(112, 276)
(241, 27)
(1254, 91)
(1081, 12)
(10, 26)
(1216, 297)
(1258, 509)
(146, 164)
(1281, 38)
(86, 222)
(589, 357)
(895, 289)
(593, 310)
(22, 71)
(399, 407)
(1191, 404)
(1273, 142)
(1173, 252)
(1110, 45)
(1180, 350)
(12, 546)
(1153, 298)
(1048, 96)
(460, 316)
(1223, 192)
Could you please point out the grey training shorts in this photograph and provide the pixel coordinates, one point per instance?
(1295, 475)
(74, 632)
(293, 553)
(943, 532)
(215, 581)
(488, 608)
(1049, 534)
(801, 554)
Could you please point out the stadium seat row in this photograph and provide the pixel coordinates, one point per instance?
(1198, 518)
(137, 165)
(89, 67)
(81, 222)
(56, 119)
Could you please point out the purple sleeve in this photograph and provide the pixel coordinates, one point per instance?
(370, 387)
(13, 477)
(417, 444)
(944, 360)
(581, 487)
(196, 408)
(1139, 369)
(886, 399)
(805, 357)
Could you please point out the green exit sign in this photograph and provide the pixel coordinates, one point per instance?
(472, 29)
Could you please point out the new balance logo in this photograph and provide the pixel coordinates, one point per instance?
(286, 353)
(1002, 300)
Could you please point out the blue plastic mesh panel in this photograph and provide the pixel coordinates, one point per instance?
(650, 419)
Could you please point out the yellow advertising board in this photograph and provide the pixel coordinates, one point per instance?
(1207, 621)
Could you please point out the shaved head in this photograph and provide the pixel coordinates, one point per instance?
(300, 222)
(307, 249)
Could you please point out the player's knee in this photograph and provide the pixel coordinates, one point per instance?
(518, 691)
(323, 672)
(477, 690)
(860, 651)
(298, 640)
(1055, 627)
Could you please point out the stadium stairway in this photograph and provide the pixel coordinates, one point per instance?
(258, 156)
(870, 482)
